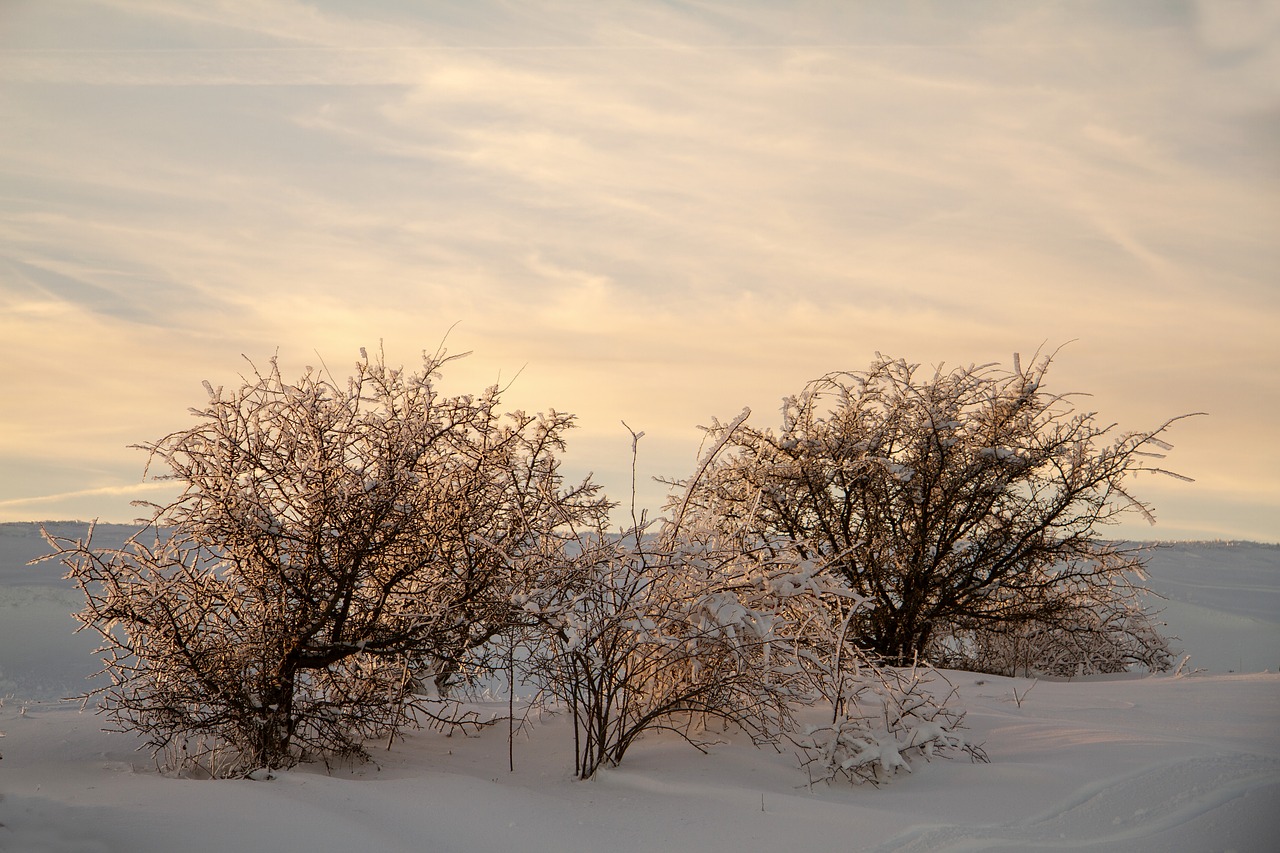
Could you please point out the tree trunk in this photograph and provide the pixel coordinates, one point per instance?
(275, 724)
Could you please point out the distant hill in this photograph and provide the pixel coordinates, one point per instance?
(21, 542)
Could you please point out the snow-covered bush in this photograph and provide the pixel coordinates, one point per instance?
(874, 719)
(655, 627)
(881, 719)
(1104, 628)
(325, 558)
(655, 632)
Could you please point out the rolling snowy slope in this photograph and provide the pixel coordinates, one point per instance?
(1222, 601)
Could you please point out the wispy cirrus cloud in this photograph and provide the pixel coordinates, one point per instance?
(665, 211)
(7, 506)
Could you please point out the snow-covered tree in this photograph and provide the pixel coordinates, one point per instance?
(332, 549)
(959, 499)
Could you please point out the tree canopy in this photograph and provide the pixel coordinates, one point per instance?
(948, 498)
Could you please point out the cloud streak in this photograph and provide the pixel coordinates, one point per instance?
(106, 491)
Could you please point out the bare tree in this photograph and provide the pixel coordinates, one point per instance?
(323, 559)
(964, 497)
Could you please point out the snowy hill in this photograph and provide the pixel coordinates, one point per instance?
(1222, 600)
(1162, 763)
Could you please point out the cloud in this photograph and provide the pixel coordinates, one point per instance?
(664, 211)
(105, 491)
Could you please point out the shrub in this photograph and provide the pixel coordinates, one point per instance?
(323, 560)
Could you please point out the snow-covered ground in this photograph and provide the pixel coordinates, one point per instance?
(1162, 763)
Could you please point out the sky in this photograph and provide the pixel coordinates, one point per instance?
(654, 213)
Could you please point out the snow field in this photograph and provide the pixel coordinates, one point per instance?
(1161, 763)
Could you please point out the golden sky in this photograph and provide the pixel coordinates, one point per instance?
(656, 212)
